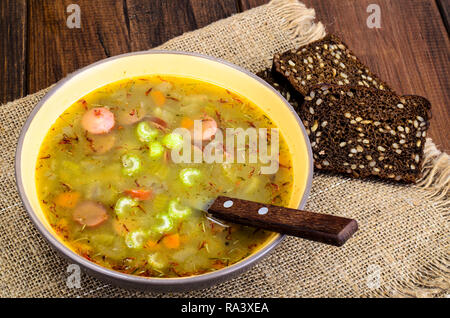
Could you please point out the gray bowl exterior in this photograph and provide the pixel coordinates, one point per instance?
(144, 283)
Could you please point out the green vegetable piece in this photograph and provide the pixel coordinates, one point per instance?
(173, 141)
(165, 225)
(135, 239)
(103, 239)
(177, 211)
(156, 150)
(131, 164)
(124, 204)
(188, 176)
(145, 132)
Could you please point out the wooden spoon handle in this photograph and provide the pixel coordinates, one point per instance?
(325, 228)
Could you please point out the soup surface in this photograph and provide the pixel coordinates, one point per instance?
(110, 188)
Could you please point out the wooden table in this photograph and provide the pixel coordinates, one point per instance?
(410, 51)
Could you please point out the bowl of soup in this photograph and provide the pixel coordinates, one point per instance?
(117, 162)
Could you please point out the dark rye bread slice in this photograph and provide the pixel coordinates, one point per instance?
(366, 132)
(283, 86)
(325, 61)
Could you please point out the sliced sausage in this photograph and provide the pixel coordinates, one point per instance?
(90, 213)
(99, 120)
(209, 128)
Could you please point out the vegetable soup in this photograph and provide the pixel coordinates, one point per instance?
(111, 190)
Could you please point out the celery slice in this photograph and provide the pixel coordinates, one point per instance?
(173, 141)
(165, 225)
(177, 211)
(156, 150)
(135, 239)
(188, 176)
(155, 261)
(145, 132)
(131, 164)
(124, 204)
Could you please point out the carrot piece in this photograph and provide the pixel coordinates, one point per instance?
(171, 241)
(139, 194)
(187, 123)
(67, 199)
(158, 98)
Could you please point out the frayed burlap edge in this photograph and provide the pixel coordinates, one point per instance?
(299, 21)
(433, 279)
(436, 173)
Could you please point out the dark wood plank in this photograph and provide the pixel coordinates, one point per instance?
(410, 51)
(154, 22)
(444, 8)
(108, 28)
(13, 26)
(411, 56)
(248, 4)
(55, 50)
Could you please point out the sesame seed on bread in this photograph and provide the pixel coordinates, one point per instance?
(328, 60)
(366, 132)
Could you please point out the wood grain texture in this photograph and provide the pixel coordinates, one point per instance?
(108, 28)
(444, 9)
(410, 52)
(154, 22)
(13, 27)
(324, 228)
(55, 50)
(248, 4)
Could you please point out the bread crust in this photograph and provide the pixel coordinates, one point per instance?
(328, 60)
(365, 132)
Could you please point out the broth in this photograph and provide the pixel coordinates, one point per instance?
(111, 191)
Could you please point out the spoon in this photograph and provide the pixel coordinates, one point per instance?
(324, 228)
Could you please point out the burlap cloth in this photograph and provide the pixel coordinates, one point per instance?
(401, 249)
